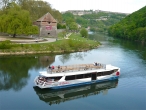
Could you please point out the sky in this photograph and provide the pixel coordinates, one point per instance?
(123, 6)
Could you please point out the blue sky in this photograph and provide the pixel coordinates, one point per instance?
(124, 6)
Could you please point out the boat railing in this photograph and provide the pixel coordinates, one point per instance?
(79, 67)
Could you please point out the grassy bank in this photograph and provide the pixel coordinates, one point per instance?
(73, 44)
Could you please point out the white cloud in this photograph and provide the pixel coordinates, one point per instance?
(125, 6)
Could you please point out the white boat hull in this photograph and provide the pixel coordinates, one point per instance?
(64, 84)
(76, 78)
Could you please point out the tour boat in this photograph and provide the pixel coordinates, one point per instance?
(76, 75)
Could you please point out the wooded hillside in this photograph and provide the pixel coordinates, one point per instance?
(132, 27)
(98, 22)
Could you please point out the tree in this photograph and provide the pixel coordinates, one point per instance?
(73, 26)
(57, 15)
(82, 21)
(4, 3)
(16, 21)
(37, 8)
(67, 16)
(61, 26)
(84, 32)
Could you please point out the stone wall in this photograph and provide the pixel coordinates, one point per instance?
(52, 32)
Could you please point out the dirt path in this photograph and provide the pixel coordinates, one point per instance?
(26, 40)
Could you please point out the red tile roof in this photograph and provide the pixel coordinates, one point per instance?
(47, 18)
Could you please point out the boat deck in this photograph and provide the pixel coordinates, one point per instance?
(73, 68)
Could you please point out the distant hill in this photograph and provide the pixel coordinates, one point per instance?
(98, 21)
(132, 27)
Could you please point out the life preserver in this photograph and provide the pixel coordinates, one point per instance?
(117, 73)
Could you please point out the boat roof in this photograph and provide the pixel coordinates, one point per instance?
(77, 69)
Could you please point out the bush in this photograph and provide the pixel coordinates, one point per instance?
(5, 44)
(84, 32)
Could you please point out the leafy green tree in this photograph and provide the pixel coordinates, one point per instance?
(82, 21)
(67, 16)
(16, 21)
(70, 21)
(57, 15)
(4, 3)
(84, 32)
(73, 26)
(37, 8)
(61, 26)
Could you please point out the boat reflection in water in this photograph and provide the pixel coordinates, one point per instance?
(57, 96)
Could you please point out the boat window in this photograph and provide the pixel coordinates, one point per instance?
(56, 78)
(115, 70)
(87, 75)
(108, 72)
(100, 74)
(80, 76)
(72, 77)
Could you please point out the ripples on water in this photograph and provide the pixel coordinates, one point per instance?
(128, 93)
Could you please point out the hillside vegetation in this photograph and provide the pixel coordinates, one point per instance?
(100, 21)
(133, 27)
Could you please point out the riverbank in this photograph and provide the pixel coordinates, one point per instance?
(73, 43)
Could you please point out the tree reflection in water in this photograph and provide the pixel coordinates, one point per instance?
(66, 57)
(14, 72)
(14, 69)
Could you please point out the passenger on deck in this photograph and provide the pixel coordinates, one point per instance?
(95, 63)
(52, 67)
(58, 66)
(49, 67)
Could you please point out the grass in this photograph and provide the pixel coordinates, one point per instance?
(74, 43)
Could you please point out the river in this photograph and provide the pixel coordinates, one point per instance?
(17, 91)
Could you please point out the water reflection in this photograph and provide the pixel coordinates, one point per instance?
(46, 60)
(65, 57)
(14, 71)
(136, 47)
(62, 95)
(78, 55)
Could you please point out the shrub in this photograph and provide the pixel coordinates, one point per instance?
(5, 44)
(84, 32)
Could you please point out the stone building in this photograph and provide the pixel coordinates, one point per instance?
(47, 25)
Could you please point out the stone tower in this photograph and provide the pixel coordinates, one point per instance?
(47, 25)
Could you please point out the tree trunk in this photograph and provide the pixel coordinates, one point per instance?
(14, 35)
